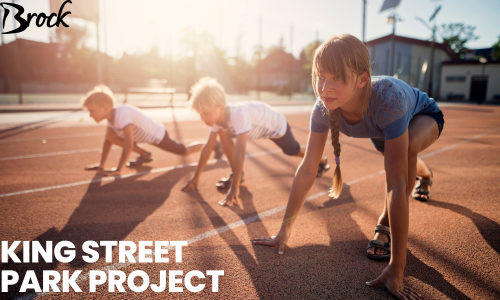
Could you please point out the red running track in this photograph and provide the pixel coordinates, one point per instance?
(454, 240)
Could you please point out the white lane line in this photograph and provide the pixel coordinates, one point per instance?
(64, 136)
(124, 176)
(72, 152)
(461, 143)
(84, 277)
(52, 154)
(194, 164)
(211, 233)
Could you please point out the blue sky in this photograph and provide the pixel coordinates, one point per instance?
(135, 26)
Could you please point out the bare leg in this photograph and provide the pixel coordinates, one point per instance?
(194, 147)
(423, 132)
(424, 172)
(113, 138)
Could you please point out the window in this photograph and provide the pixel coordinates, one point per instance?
(455, 78)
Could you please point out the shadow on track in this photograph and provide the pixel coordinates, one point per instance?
(246, 259)
(490, 230)
(27, 127)
(107, 212)
(345, 265)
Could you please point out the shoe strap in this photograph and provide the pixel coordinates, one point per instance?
(426, 181)
(380, 244)
(383, 229)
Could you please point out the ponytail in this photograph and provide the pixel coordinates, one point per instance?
(337, 175)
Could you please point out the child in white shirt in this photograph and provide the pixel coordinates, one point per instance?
(127, 126)
(244, 120)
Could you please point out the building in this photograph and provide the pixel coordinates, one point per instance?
(411, 60)
(277, 69)
(475, 80)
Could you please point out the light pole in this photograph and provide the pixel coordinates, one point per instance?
(18, 68)
(259, 60)
(388, 4)
(431, 62)
(364, 20)
(393, 19)
(291, 63)
(433, 42)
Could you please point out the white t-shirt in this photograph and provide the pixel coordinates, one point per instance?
(146, 130)
(257, 118)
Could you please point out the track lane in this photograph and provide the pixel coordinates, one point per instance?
(332, 234)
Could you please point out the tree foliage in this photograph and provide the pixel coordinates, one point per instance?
(457, 35)
(306, 58)
(496, 48)
(73, 37)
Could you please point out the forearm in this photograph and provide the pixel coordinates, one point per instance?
(302, 183)
(398, 210)
(127, 150)
(204, 156)
(106, 148)
(237, 168)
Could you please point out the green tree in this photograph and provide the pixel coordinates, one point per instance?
(496, 49)
(72, 37)
(306, 58)
(456, 35)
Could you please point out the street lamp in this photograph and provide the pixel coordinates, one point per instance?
(431, 63)
(388, 4)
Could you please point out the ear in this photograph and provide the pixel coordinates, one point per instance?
(363, 80)
(107, 108)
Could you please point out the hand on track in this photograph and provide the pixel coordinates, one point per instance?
(278, 241)
(392, 278)
(191, 185)
(231, 198)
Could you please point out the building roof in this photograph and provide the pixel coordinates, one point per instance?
(469, 62)
(402, 39)
(483, 51)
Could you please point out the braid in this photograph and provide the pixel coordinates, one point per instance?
(337, 175)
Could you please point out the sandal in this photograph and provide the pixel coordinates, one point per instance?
(418, 192)
(380, 244)
(218, 153)
(140, 160)
(323, 167)
(225, 183)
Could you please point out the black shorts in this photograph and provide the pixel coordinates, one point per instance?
(288, 143)
(170, 145)
(437, 116)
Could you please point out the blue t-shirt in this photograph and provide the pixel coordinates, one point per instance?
(393, 104)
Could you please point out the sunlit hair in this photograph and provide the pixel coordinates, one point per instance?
(98, 97)
(341, 56)
(207, 93)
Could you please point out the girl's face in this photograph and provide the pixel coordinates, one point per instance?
(333, 91)
(211, 116)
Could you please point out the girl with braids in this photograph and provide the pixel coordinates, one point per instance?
(401, 121)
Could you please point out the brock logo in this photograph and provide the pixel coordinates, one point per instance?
(40, 19)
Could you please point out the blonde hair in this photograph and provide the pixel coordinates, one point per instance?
(207, 93)
(338, 56)
(101, 95)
